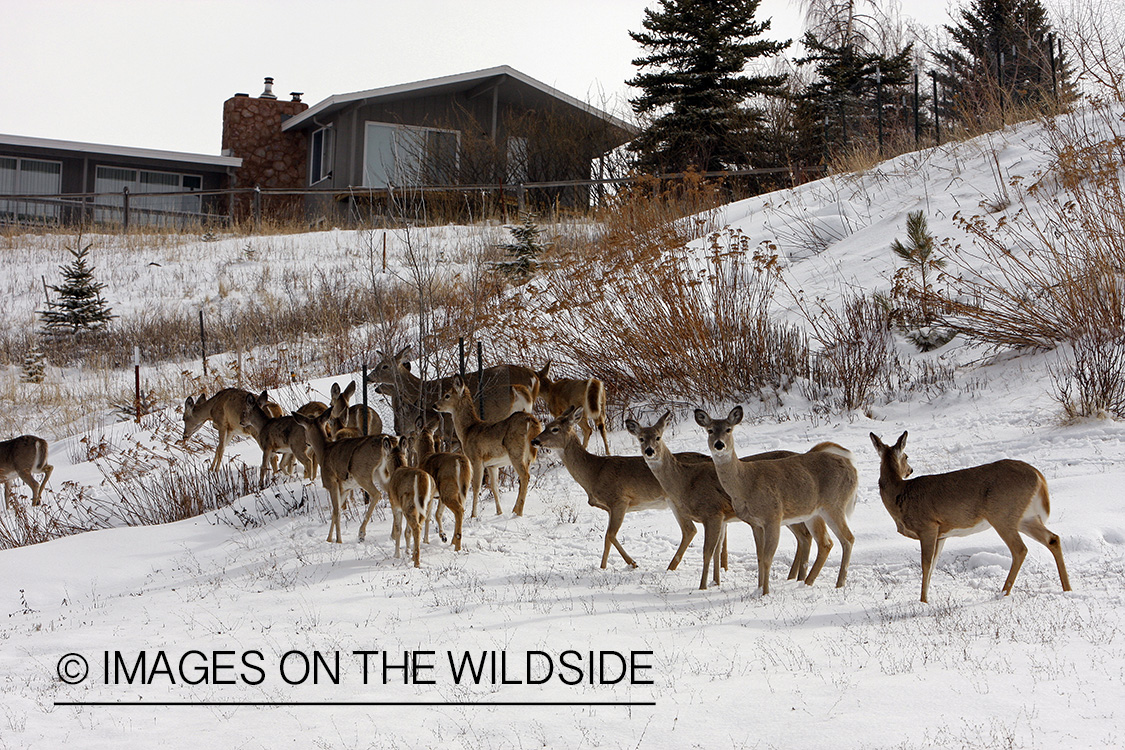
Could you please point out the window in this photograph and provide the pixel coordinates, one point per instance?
(320, 155)
(159, 210)
(30, 177)
(402, 155)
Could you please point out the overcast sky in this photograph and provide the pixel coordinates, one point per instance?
(155, 73)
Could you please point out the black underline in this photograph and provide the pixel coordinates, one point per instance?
(358, 703)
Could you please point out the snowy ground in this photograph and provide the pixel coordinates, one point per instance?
(255, 590)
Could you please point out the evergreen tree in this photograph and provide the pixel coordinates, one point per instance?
(34, 365)
(693, 87)
(524, 251)
(1001, 57)
(80, 305)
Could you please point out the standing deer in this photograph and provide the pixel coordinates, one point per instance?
(616, 484)
(799, 488)
(24, 456)
(1010, 496)
(696, 496)
(452, 475)
(415, 397)
(408, 489)
(352, 416)
(588, 395)
(349, 463)
(282, 436)
(224, 410)
(491, 444)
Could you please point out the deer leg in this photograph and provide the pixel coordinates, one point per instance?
(1035, 529)
(839, 525)
(616, 518)
(601, 429)
(35, 486)
(493, 474)
(771, 534)
(458, 508)
(687, 533)
(524, 473)
(800, 567)
(374, 500)
(712, 546)
(929, 539)
(1018, 549)
(396, 528)
(219, 449)
(823, 547)
(334, 497)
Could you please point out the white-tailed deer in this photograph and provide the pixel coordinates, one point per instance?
(352, 416)
(784, 491)
(224, 411)
(1010, 496)
(491, 444)
(349, 463)
(415, 397)
(588, 395)
(696, 496)
(277, 436)
(24, 457)
(616, 484)
(452, 475)
(409, 489)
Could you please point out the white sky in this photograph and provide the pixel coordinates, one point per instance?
(155, 73)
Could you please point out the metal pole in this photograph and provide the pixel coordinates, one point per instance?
(879, 103)
(917, 125)
(202, 343)
(937, 116)
(1054, 67)
(480, 379)
(461, 357)
(257, 207)
(137, 375)
(364, 424)
(125, 209)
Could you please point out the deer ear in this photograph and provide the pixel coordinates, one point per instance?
(632, 427)
(901, 441)
(735, 416)
(877, 442)
(335, 390)
(350, 390)
(703, 419)
(662, 423)
(420, 423)
(403, 353)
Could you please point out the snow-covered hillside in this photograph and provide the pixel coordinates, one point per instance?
(219, 615)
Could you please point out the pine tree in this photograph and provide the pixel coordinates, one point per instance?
(524, 252)
(1002, 56)
(919, 252)
(80, 305)
(693, 86)
(34, 365)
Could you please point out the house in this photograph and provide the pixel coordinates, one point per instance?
(490, 128)
(71, 172)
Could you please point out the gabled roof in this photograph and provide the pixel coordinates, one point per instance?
(101, 149)
(462, 82)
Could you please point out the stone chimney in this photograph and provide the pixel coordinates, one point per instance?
(252, 132)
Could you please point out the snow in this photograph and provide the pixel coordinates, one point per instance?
(254, 586)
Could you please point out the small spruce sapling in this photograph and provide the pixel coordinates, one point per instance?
(80, 305)
(919, 252)
(524, 251)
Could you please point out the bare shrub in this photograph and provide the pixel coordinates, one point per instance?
(675, 325)
(856, 360)
(1053, 271)
(1089, 380)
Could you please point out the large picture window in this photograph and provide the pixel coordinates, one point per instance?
(159, 210)
(320, 155)
(29, 177)
(405, 156)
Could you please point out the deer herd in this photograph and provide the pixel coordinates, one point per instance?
(450, 431)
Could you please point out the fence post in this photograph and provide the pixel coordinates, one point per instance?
(125, 209)
(879, 103)
(937, 116)
(202, 343)
(480, 379)
(917, 125)
(521, 199)
(137, 374)
(365, 423)
(257, 208)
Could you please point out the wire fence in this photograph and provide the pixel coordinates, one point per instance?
(357, 206)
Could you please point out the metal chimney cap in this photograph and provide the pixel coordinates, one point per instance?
(296, 95)
(268, 93)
